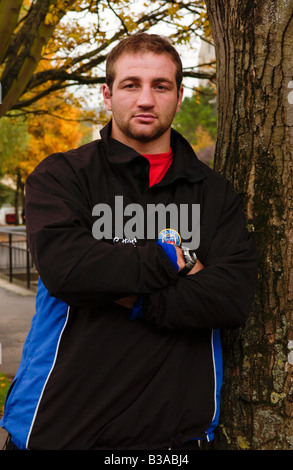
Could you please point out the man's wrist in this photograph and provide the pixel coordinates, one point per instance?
(190, 259)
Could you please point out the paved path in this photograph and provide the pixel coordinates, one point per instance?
(17, 307)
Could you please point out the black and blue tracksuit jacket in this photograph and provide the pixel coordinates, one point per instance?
(91, 375)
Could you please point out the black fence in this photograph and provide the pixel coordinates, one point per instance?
(15, 259)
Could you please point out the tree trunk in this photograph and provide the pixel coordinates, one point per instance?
(28, 45)
(254, 46)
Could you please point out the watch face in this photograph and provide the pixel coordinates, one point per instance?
(170, 236)
(189, 256)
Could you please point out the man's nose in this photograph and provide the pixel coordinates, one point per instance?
(146, 98)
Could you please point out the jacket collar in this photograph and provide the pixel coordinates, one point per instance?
(185, 163)
(116, 151)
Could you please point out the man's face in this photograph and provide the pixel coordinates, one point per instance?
(144, 100)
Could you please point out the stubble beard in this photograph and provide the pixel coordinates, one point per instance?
(144, 133)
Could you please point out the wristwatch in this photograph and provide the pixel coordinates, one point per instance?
(190, 260)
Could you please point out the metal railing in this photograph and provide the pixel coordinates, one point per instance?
(15, 259)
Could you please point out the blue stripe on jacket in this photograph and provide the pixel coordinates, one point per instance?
(218, 376)
(38, 358)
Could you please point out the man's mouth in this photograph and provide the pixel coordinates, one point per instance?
(145, 117)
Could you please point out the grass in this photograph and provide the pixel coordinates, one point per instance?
(4, 385)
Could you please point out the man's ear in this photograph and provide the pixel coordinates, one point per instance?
(180, 98)
(107, 97)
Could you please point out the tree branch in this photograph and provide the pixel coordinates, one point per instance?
(9, 12)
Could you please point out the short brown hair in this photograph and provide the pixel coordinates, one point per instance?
(141, 43)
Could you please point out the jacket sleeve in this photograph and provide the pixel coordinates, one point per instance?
(219, 296)
(73, 265)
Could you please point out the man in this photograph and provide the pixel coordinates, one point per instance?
(124, 349)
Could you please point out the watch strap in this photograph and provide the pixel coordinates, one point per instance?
(185, 270)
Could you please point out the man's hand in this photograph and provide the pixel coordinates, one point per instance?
(127, 302)
(196, 268)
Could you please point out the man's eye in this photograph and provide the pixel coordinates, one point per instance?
(161, 87)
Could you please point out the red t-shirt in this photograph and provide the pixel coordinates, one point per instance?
(159, 164)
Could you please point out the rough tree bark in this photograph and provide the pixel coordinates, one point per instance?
(254, 47)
